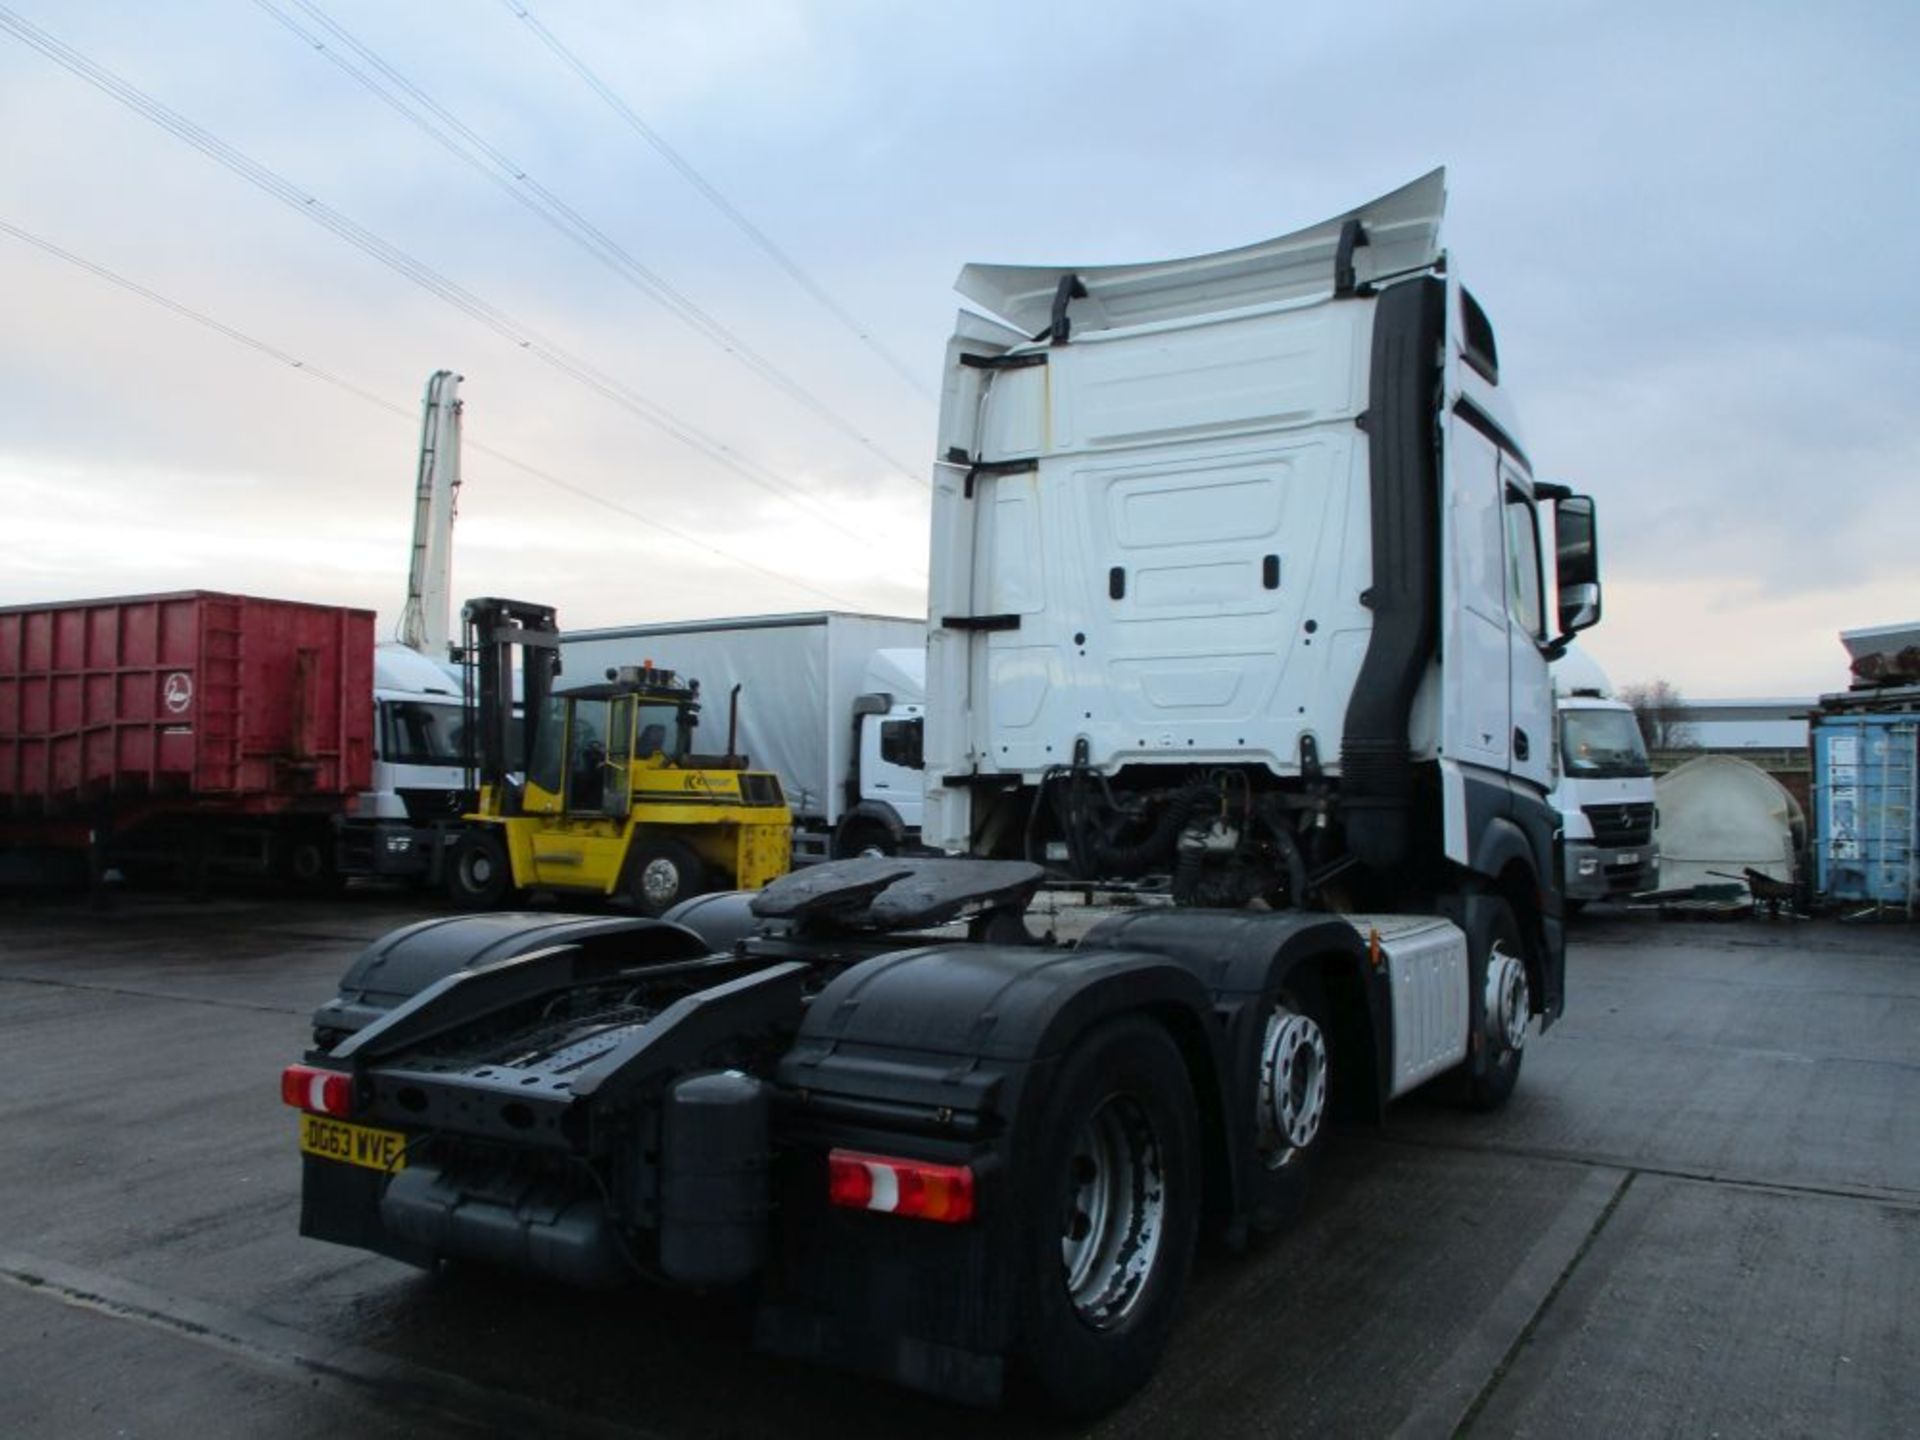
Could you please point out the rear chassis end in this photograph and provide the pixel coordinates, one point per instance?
(655, 1110)
(826, 1095)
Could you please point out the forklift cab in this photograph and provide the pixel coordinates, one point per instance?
(613, 799)
(590, 739)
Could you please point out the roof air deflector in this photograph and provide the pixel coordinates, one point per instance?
(1402, 229)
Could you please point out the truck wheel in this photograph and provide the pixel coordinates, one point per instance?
(479, 875)
(307, 866)
(1109, 1217)
(864, 839)
(662, 873)
(1506, 1010)
(1292, 1093)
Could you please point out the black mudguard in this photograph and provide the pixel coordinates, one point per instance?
(1240, 956)
(941, 1053)
(722, 918)
(1511, 825)
(401, 964)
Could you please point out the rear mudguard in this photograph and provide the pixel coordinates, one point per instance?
(946, 1053)
(1242, 957)
(401, 964)
(722, 918)
(941, 1053)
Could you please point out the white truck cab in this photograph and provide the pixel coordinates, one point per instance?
(399, 826)
(891, 771)
(1604, 793)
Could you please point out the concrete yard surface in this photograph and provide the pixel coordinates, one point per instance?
(1700, 1214)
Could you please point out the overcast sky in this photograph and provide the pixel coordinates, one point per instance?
(1692, 225)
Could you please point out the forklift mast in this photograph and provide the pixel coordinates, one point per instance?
(491, 631)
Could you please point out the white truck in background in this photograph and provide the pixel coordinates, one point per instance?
(830, 701)
(1603, 788)
(402, 825)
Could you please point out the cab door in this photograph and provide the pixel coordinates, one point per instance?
(1531, 699)
(891, 762)
(583, 848)
(1476, 641)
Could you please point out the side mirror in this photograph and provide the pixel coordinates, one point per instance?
(1577, 543)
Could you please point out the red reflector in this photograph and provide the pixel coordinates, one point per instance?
(916, 1188)
(848, 1182)
(307, 1087)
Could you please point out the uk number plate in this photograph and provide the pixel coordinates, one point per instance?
(382, 1150)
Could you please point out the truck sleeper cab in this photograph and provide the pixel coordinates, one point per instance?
(1238, 583)
(961, 1164)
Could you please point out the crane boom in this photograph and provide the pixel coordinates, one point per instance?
(424, 622)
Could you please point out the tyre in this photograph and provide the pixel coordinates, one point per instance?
(1292, 1097)
(864, 839)
(479, 875)
(662, 873)
(307, 866)
(1108, 1218)
(300, 860)
(1506, 1012)
(1573, 907)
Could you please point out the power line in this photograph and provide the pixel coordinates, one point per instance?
(412, 269)
(274, 352)
(468, 146)
(712, 195)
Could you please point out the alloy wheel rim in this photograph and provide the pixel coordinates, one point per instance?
(1293, 1085)
(1115, 1217)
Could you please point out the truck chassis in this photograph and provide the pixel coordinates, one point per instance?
(930, 1146)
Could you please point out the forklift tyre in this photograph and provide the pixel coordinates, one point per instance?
(479, 876)
(662, 873)
(1109, 1218)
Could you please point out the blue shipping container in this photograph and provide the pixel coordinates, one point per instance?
(1864, 773)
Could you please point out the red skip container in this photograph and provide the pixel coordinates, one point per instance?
(200, 700)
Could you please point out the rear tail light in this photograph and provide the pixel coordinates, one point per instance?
(307, 1087)
(917, 1188)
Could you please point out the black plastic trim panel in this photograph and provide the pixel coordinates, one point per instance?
(1409, 325)
(1478, 419)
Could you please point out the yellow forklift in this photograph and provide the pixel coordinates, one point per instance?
(600, 791)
